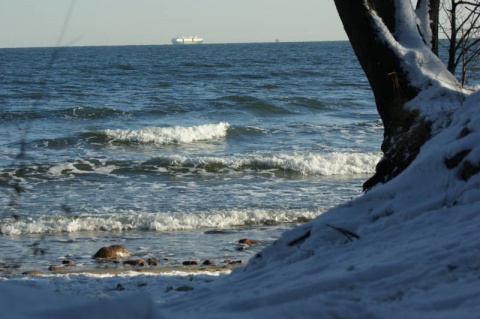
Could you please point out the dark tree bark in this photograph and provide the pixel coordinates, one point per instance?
(405, 129)
(433, 21)
(452, 63)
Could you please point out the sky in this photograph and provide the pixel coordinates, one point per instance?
(33, 23)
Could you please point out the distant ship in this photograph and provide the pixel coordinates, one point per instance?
(187, 40)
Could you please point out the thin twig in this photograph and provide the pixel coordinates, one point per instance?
(350, 235)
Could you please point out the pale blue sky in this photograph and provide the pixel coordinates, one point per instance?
(31, 23)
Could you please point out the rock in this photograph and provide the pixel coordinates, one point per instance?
(190, 263)
(136, 262)
(184, 288)
(232, 262)
(247, 241)
(56, 268)
(216, 232)
(208, 263)
(68, 263)
(12, 266)
(112, 252)
(152, 261)
(33, 273)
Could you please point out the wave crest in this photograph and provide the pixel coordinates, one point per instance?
(169, 135)
(160, 222)
(326, 164)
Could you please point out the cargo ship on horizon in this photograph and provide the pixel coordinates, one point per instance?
(187, 40)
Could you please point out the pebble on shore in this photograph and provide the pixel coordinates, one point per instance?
(112, 252)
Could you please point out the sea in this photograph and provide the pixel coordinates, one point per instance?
(176, 152)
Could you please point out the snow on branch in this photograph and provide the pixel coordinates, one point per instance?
(425, 70)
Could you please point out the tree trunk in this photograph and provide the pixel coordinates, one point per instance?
(434, 12)
(369, 25)
(429, 11)
(452, 49)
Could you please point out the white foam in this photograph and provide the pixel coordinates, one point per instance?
(325, 164)
(170, 135)
(322, 164)
(336, 163)
(129, 220)
(71, 168)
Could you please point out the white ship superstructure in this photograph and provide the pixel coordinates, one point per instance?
(187, 40)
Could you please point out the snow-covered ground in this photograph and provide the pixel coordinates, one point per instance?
(126, 295)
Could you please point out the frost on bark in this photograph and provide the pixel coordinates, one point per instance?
(387, 39)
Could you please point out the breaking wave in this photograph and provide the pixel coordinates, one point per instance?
(169, 135)
(161, 222)
(306, 164)
(328, 164)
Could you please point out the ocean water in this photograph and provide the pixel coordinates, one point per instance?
(176, 152)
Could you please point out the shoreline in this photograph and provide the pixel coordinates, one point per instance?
(120, 270)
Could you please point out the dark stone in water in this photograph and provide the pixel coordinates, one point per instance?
(56, 268)
(33, 273)
(152, 261)
(112, 252)
(190, 263)
(270, 222)
(68, 263)
(136, 262)
(217, 232)
(247, 241)
(208, 263)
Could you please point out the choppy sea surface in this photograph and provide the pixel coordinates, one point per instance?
(176, 152)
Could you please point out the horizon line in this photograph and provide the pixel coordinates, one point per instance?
(162, 44)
